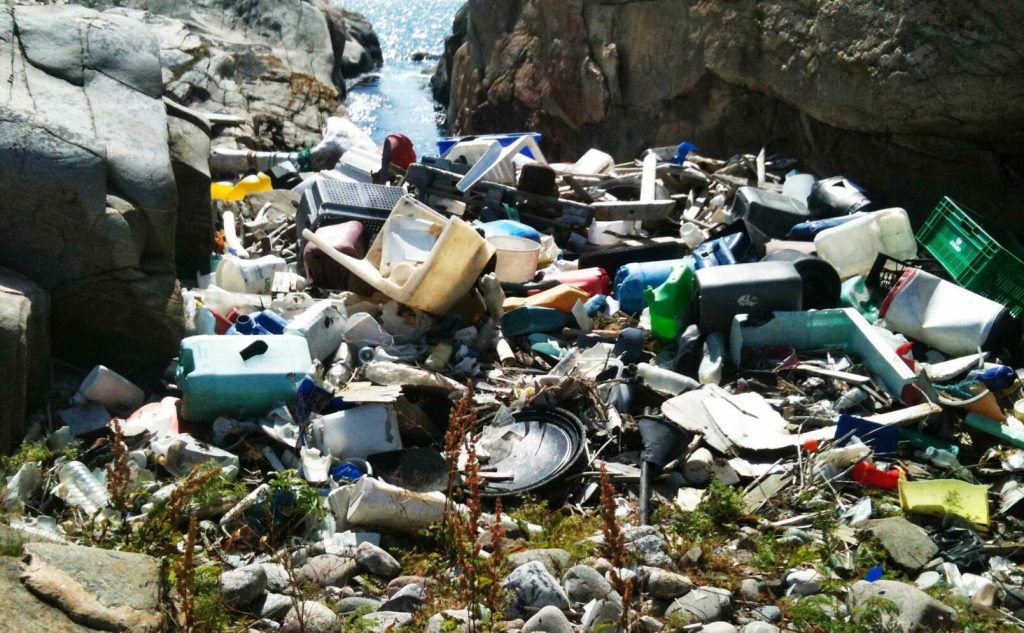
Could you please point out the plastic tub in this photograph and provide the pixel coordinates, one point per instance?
(517, 258)
(239, 376)
(853, 247)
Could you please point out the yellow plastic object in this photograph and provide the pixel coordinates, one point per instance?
(234, 192)
(945, 496)
(562, 297)
(435, 285)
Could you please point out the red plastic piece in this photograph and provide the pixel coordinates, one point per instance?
(873, 477)
(592, 280)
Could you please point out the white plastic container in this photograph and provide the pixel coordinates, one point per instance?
(111, 389)
(593, 162)
(248, 275)
(323, 327)
(223, 301)
(665, 381)
(374, 503)
(358, 433)
(181, 453)
(852, 247)
(517, 258)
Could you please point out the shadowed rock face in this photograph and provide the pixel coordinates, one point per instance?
(912, 99)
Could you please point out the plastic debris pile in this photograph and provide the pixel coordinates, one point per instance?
(679, 323)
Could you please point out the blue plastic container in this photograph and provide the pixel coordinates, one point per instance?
(806, 231)
(259, 324)
(239, 376)
(725, 251)
(632, 279)
(532, 320)
(448, 142)
(510, 228)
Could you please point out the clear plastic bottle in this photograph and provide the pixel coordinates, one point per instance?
(944, 459)
(439, 356)
(81, 489)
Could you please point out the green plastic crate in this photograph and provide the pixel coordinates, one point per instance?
(980, 258)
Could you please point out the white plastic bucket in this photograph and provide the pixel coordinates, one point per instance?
(517, 258)
(248, 275)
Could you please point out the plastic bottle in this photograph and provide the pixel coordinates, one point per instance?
(78, 487)
(233, 192)
(248, 275)
(945, 459)
(233, 245)
(632, 279)
(874, 477)
(710, 372)
(531, 320)
(669, 301)
(439, 356)
(665, 381)
(224, 301)
(691, 234)
(258, 324)
(109, 388)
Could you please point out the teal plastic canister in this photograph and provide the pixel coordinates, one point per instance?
(239, 376)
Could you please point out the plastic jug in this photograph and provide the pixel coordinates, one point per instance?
(632, 279)
(233, 192)
(258, 323)
(766, 214)
(224, 301)
(756, 289)
(821, 281)
(510, 228)
(669, 301)
(724, 251)
(594, 281)
(853, 247)
(562, 297)
(358, 433)
(531, 319)
(254, 276)
(837, 196)
(323, 327)
(348, 238)
(239, 376)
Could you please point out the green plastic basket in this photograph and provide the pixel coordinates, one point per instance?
(980, 258)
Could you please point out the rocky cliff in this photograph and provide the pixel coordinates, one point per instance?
(914, 99)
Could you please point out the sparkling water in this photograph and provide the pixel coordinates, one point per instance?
(399, 98)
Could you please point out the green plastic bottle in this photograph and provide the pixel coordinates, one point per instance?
(669, 301)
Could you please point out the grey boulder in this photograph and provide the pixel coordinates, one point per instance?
(917, 610)
(532, 587)
(548, 620)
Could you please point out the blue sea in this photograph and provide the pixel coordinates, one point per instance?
(399, 98)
